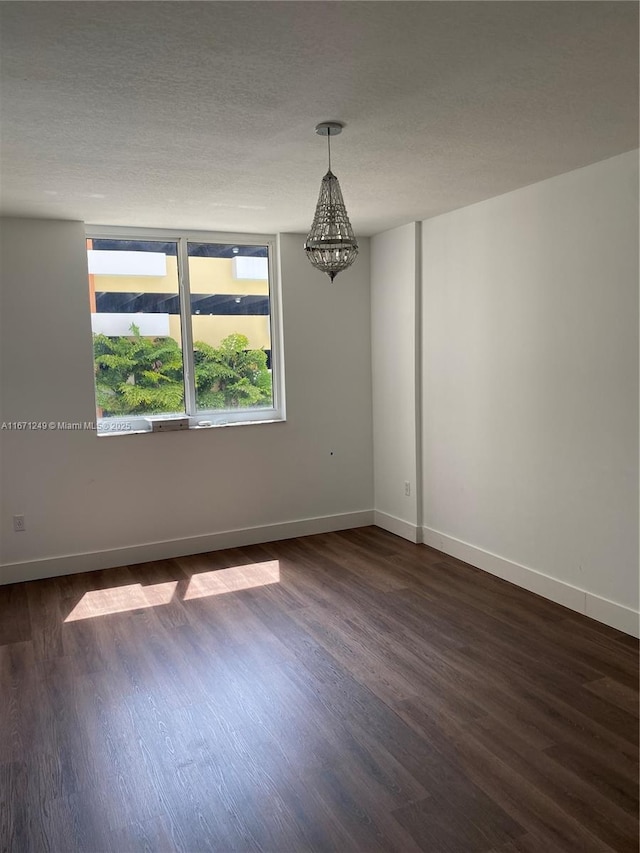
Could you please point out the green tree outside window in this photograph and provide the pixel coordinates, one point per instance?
(139, 375)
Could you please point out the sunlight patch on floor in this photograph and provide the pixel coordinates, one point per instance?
(120, 599)
(233, 579)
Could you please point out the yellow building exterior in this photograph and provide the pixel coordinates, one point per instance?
(207, 276)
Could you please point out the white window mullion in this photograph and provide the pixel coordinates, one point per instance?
(185, 326)
(275, 325)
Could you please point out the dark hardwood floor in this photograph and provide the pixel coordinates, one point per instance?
(341, 692)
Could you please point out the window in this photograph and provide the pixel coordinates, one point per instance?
(185, 330)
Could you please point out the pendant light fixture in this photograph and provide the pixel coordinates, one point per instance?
(331, 245)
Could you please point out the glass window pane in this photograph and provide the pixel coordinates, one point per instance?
(135, 319)
(231, 325)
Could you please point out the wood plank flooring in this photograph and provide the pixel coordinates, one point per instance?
(342, 692)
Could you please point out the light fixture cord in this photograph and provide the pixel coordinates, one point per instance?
(329, 145)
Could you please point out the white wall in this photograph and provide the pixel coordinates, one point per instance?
(394, 344)
(85, 495)
(530, 386)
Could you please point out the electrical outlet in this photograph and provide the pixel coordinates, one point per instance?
(407, 488)
(19, 523)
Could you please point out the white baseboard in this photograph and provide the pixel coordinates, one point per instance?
(601, 609)
(396, 525)
(74, 563)
(611, 613)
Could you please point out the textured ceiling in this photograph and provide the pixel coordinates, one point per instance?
(201, 114)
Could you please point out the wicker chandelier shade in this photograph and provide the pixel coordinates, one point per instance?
(331, 245)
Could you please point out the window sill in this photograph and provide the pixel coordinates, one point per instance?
(111, 433)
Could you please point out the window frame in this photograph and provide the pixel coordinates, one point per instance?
(205, 419)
